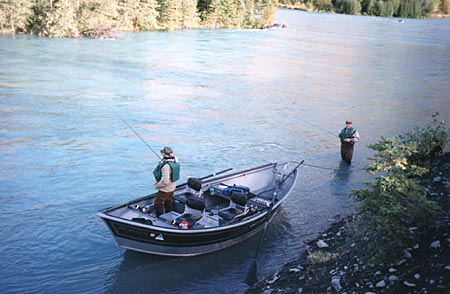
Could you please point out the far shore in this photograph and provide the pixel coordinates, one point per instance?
(303, 7)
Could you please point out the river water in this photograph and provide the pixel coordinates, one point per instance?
(225, 98)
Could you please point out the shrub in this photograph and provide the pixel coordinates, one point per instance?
(395, 201)
(430, 140)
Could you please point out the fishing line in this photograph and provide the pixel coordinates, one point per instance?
(131, 128)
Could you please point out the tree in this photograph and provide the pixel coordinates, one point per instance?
(170, 14)
(97, 18)
(348, 6)
(14, 14)
(137, 15)
(190, 15)
(445, 6)
(61, 20)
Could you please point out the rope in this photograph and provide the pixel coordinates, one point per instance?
(321, 167)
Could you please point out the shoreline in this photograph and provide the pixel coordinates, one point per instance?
(335, 263)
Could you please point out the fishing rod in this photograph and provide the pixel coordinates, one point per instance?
(131, 128)
(333, 134)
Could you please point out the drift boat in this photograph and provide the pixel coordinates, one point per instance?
(210, 213)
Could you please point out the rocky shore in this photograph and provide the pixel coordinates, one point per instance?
(334, 263)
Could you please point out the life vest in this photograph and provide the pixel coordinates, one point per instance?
(174, 170)
(347, 134)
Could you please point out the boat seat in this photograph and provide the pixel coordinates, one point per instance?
(193, 211)
(195, 203)
(194, 187)
(238, 206)
(195, 184)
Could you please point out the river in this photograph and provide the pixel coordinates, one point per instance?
(220, 99)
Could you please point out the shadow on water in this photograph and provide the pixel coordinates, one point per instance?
(145, 273)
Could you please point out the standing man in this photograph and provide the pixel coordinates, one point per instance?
(166, 173)
(349, 136)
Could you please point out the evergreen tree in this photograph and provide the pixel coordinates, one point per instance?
(60, 20)
(137, 15)
(170, 14)
(97, 18)
(14, 14)
(348, 6)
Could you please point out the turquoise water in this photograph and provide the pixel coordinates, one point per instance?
(233, 98)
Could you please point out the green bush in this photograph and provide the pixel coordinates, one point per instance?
(430, 140)
(395, 201)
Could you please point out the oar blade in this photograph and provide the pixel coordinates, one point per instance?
(251, 275)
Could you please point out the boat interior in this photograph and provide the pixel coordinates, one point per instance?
(200, 205)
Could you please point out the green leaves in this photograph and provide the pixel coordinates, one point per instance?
(396, 201)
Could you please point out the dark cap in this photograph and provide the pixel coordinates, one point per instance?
(166, 151)
(348, 122)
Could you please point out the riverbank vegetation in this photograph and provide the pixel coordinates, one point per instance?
(99, 18)
(386, 8)
(398, 241)
(395, 204)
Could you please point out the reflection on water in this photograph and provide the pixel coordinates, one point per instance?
(221, 99)
(342, 177)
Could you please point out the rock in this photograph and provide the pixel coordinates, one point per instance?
(435, 244)
(381, 284)
(408, 254)
(416, 246)
(417, 276)
(437, 179)
(271, 281)
(294, 270)
(408, 284)
(322, 244)
(392, 270)
(447, 267)
(300, 290)
(393, 278)
(402, 261)
(336, 283)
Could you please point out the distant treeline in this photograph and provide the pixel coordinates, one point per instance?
(387, 8)
(98, 18)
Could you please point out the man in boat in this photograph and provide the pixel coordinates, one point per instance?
(349, 136)
(166, 173)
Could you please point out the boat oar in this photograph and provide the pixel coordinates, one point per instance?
(218, 173)
(251, 275)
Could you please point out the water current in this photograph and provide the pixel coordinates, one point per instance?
(220, 99)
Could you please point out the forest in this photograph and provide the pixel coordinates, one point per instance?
(101, 18)
(386, 8)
